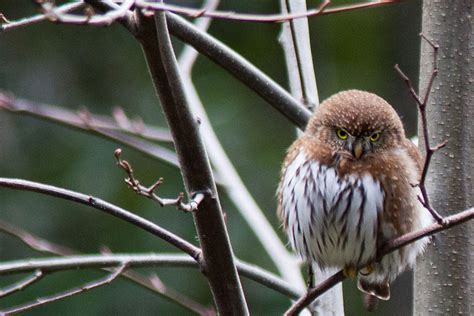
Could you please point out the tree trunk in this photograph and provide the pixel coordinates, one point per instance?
(444, 278)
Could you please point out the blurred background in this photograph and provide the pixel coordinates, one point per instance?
(103, 67)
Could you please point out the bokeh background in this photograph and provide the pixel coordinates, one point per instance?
(103, 67)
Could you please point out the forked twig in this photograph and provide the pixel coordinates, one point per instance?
(68, 293)
(149, 192)
(422, 104)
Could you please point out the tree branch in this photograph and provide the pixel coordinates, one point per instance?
(50, 265)
(389, 247)
(106, 207)
(286, 263)
(218, 259)
(6, 25)
(260, 18)
(22, 284)
(71, 292)
(151, 283)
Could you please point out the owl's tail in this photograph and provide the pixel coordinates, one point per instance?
(374, 292)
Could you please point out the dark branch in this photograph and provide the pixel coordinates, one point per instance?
(429, 151)
(106, 207)
(218, 259)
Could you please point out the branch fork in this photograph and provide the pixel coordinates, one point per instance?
(429, 150)
(149, 192)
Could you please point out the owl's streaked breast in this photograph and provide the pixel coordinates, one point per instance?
(330, 220)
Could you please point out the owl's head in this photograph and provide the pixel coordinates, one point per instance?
(356, 123)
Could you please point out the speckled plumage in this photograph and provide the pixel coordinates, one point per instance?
(340, 199)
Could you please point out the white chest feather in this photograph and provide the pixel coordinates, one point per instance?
(330, 220)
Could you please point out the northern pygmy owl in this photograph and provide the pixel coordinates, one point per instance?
(348, 185)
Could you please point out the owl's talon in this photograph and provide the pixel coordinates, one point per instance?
(349, 272)
(368, 269)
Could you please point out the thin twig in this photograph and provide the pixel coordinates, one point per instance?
(68, 293)
(149, 192)
(322, 9)
(389, 247)
(429, 150)
(6, 25)
(88, 17)
(22, 284)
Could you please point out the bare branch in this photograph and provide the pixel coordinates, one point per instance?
(149, 192)
(189, 55)
(88, 17)
(151, 283)
(239, 67)
(286, 263)
(389, 247)
(50, 265)
(106, 207)
(217, 253)
(429, 151)
(6, 25)
(323, 8)
(71, 292)
(134, 136)
(22, 284)
(83, 119)
(228, 59)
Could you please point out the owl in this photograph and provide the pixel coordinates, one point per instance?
(348, 185)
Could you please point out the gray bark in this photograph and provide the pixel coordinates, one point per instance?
(444, 278)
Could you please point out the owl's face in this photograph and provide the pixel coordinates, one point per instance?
(356, 124)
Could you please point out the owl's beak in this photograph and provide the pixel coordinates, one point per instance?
(359, 147)
(358, 150)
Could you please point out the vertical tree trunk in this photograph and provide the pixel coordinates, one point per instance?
(444, 278)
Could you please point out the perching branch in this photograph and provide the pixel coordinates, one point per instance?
(68, 293)
(429, 151)
(389, 247)
(149, 192)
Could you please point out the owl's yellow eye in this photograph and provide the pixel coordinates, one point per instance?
(375, 137)
(342, 134)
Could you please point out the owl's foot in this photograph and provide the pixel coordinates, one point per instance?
(350, 272)
(368, 269)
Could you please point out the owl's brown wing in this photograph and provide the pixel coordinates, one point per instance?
(414, 153)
